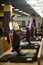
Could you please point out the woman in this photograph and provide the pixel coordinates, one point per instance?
(31, 27)
(16, 37)
(16, 40)
(10, 26)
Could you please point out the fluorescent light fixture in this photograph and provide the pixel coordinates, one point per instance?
(2, 4)
(31, 1)
(16, 9)
(37, 8)
(41, 14)
(12, 7)
(40, 0)
(37, 5)
(25, 13)
(20, 11)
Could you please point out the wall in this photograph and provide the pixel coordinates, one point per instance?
(26, 18)
(38, 19)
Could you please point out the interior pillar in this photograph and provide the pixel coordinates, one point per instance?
(7, 16)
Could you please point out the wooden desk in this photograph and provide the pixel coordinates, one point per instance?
(38, 57)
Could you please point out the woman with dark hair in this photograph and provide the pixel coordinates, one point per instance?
(31, 27)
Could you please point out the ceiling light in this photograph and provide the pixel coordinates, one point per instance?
(41, 14)
(26, 13)
(2, 4)
(20, 11)
(37, 5)
(16, 9)
(12, 7)
(31, 1)
(40, 0)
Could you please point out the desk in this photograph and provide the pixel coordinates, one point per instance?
(38, 57)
